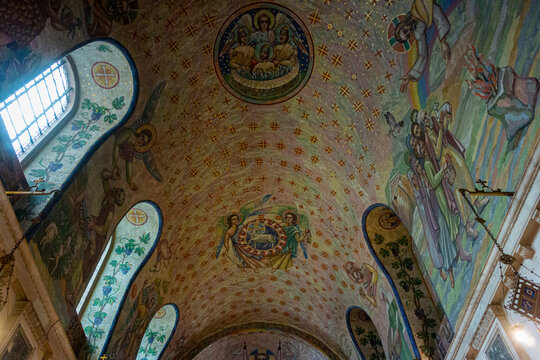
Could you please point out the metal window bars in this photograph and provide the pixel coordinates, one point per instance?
(36, 106)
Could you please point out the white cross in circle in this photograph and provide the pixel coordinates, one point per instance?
(105, 74)
(136, 216)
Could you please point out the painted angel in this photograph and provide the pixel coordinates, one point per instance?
(295, 237)
(137, 140)
(231, 225)
(288, 42)
(238, 45)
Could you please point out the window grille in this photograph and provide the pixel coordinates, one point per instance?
(36, 106)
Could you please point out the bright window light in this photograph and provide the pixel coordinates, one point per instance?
(36, 106)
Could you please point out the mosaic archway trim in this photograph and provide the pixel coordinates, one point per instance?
(348, 315)
(263, 65)
(51, 201)
(160, 334)
(123, 249)
(385, 272)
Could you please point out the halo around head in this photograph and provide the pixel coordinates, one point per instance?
(287, 212)
(278, 30)
(153, 135)
(270, 16)
(258, 50)
(230, 215)
(248, 33)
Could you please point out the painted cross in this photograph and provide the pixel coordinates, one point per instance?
(105, 75)
(137, 217)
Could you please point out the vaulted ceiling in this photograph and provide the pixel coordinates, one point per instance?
(324, 152)
(320, 148)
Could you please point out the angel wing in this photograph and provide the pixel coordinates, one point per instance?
(250, 208)
(148, 112)
(390, 120)
(223, 227)
(283, 19)
(244, 21)
(150, 163)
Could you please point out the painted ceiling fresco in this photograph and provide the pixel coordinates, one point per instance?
(263, 132)
(268, 344)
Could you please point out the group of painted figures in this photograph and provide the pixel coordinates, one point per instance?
(269, 51)
(437, 170)
(271, 253)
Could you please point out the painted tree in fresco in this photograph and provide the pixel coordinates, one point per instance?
(404, 265)
(154, 338)
(370, 338)
(104, 304)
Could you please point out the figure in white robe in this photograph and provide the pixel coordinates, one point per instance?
(423, 14)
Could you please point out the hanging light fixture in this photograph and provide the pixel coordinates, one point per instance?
(7, 264)
(526, 294)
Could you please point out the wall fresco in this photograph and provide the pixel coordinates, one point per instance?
(132, 244)
(253, 239)
(25, 25)
(158, 333)
(327, 152)
(263, 53)
(98, 112)
(365, 335)
(261, 344)
(446, 151)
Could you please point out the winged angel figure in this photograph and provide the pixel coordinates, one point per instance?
(265, 45)
(137, 140)
(230, 226)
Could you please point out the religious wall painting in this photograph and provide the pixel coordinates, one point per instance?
(88, 124)
(365, 335)
(158, 333)
(263, 53)
(21, 21)
(135, 142)
(398, 346)
(366, 276)
(100, 15)
(142, 302)
(509, 97)
(414, 25)
(131, 245)
(18, 346)
(391, 247)
(424, 189)
(259, 237)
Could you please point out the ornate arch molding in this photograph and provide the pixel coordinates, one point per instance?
(286, 329)
(364, 334)
(390, 243)
(100, 111)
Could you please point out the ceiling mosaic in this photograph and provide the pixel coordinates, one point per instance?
(264, 131)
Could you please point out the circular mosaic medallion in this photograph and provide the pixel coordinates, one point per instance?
(263, 53)
(398, 46)
(262, 237)
(137, 217)
(105, 75)
(389, 220)
(161, 313)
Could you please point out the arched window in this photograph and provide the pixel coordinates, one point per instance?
(132, 243)
(158, 333)
(36, 108)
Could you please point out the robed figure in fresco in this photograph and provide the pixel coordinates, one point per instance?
(397, 346)
(263, 53)
(423, 14)
(253, 239)
(284, 260)
(232, 224)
